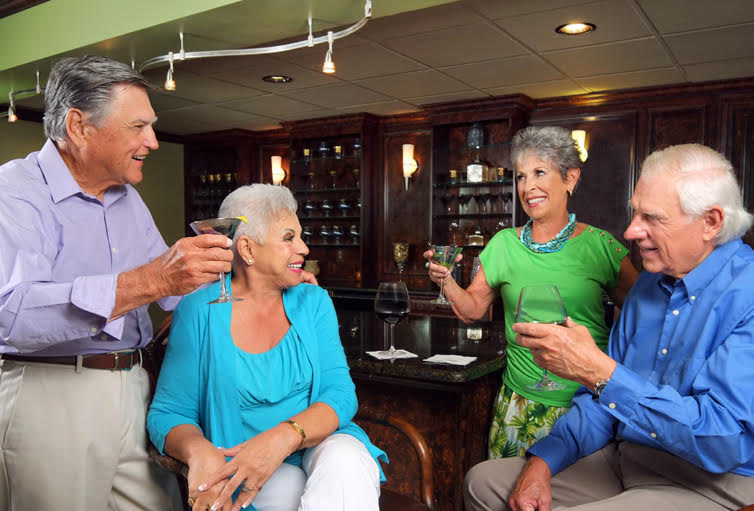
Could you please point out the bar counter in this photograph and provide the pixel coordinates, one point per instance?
(450, 405)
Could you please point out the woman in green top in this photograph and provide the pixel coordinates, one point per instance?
(551, 248)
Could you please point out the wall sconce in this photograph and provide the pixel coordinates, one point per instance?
(409, 163)
(580, 137)
(278, 174)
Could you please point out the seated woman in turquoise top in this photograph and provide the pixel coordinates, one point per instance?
(255, 396)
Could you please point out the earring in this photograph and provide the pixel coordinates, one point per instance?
(570, 192)
(250, 260)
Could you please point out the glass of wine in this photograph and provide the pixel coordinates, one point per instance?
(446, 256)
(541, 304)
(391, 305)
(400, 256)
(226, 227)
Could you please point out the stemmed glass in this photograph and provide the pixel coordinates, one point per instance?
(541, 304)
(391, 305)
(400, 255)
(446, 256)
(226, 227)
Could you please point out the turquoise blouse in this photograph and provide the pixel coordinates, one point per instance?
(198, 382)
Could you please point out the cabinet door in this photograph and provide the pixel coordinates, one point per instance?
(326, 179)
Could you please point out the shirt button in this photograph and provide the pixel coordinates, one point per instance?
(693, 298)
(93, 330)
(675, 312)
(653, 434)
(611, 406)
(114, 249)
(664, 351)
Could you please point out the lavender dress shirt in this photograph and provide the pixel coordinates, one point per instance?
(61, 251)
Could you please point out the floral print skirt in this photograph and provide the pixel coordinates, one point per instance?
(517, 423)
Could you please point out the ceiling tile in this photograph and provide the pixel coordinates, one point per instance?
(503, 72)
(162, 101)
(340, 95)
(417, 83)
(416, 22)
(714, 44)
(209, 90)
(457, 45)
(314, 114)
(720, 70)
(252, 76)
(205, 113)
(616, 20)
(443, 98)
(500, 9)
(383, 108)
(541, 89)
(270, 105)
(670, 16)
(610, 58)
(258, 124)
(630, 80)
(356, 62)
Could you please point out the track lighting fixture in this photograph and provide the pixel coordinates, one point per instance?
(329, 66)
(12, 114)
(169, 82)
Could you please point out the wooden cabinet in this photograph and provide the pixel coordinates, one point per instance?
(330, 174)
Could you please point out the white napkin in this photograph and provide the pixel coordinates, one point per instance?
(397, 354)
(459, 360)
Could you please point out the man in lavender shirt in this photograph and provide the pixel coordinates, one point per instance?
(80, 260)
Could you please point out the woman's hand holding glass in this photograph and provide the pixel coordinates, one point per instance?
(439, 273)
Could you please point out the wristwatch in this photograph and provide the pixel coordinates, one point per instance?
(599, 388)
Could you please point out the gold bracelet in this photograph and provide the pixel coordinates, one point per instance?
(295, 425)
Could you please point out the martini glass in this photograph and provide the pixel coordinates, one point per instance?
(446, 256)
(541, 304)
(226, 227)
(391, 305)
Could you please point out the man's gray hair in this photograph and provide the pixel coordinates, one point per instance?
(704, 178)
(260, 204)
(85, 83)
(551, 143)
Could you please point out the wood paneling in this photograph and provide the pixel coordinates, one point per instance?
(675, 125)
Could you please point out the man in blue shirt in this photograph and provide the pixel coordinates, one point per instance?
(665, 420)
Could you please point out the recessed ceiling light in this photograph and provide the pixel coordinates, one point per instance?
(575, 28)
(277, 79)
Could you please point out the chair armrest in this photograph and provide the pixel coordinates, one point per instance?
(167, 462)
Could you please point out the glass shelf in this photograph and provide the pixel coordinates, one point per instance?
(326, 159)
(322, 190)
(465, 184)
(472, 216)
(329, 218)
(339, 245)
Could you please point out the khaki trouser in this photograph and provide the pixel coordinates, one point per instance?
(622, 476)
(76, 441)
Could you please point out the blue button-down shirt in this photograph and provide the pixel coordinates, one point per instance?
(61, 251)
(685, 376)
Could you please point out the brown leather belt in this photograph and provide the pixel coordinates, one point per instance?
(111, 361)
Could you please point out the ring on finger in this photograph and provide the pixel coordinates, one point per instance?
(191, 501)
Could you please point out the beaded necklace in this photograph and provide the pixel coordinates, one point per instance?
(554, 244)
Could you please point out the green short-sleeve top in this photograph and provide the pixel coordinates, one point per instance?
(586, 266)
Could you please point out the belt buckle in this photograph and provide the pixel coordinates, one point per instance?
(115, 366)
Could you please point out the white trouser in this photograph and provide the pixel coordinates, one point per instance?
(338, 474)
(76, 441)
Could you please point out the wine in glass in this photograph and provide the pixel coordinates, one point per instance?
(400, 255)
(391, 305)
(226, 227)
(446, 256)
(541, 304)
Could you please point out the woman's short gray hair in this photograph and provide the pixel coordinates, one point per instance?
(705, 178)
(85, 83)
(551, 143)
(260, 204)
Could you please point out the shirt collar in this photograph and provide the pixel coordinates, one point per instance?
(59, 178)
(705, 272)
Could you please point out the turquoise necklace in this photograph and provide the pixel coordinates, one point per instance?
(554, 244)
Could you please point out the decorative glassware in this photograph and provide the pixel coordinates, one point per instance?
(307, 155)
(444, 255)
(357, 147)
(400, 256)
(344, 207)
(306, 234)
(337, 233)
(311, 184)
(356, 177)
(453, 228)
(338, 152)
(541, 304)
(309, 207)
(326, 207)
(323, 149)
(453, 177)
(333, 178)
(324, 233)
(355, 234)
(226, 227)
(391, 305)
(312, 266)
(475, 135)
